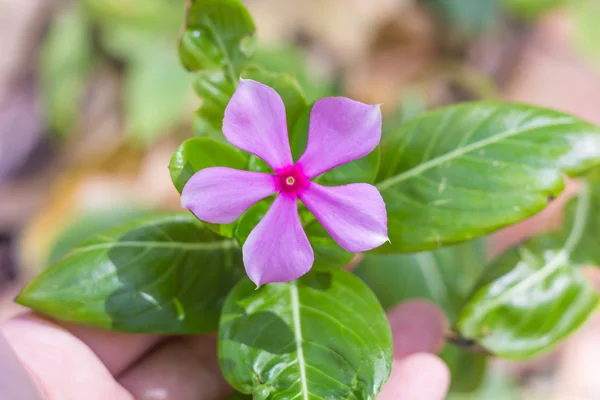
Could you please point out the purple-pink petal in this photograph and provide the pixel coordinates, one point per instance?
(221, 195)
(255, 121)
(341, 130)
(354, 215)
(277, 249)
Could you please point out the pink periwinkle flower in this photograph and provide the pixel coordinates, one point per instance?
(277, 250)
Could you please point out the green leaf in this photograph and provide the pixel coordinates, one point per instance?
(531, 9)
(533, 296)
(467, 170)
(166, 274)
(445, 276)
(467, 368)
(156, 90)
(65, 65)
(215, 90)
(328, 254)
(90, 224)
(586, 31)
(199, 153)
(323, 336)
(216, 37)
(468, 16)
(293, 59)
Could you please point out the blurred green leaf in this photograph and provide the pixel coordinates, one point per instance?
(326, 336)
(531, 9)
(90, 224)
(585, 15)
(497, 385)
(328, 254)
(468, 16)
(65, 64)
(466, 170)
(467, 369)
(445, 276)
(293, 60)
(166, 274)
(533, 296)
(199, 153)
(156, 92)
(215, 37)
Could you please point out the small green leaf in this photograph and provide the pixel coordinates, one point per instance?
(215, 37)
(199, 153)
(65, 63)
(445, 276)
(215, 90)
(323, 336)
(467, 170)
(166, 274)
(533, 296)
(156, 90)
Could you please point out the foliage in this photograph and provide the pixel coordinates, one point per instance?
(448, 177)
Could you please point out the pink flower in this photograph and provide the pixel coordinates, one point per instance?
(341, 130)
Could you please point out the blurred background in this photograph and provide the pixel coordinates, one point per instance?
(93, 102)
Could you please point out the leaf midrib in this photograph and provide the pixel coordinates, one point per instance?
(457, 153)
(298, 337)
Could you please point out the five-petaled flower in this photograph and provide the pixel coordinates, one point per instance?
(340, 130)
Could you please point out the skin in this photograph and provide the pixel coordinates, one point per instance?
(66, 361)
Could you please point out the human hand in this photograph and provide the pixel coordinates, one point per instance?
(66, 361)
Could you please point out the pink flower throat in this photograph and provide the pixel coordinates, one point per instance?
(291, 179)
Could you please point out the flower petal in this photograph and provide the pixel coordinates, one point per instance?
(255, 122)
(340, 130)
(220, 195)
(354, 215)
(277, 249)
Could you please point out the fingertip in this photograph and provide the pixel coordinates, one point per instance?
(417, 326)
(421, 376)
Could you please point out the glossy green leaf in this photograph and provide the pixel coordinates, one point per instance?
(166, 274)
(324, 336)
(533, 296)
(445, 276)
(466, 170)
(216, 37)
(156, 90)
(215, 91)
(199, 153)
(65, 64)
(90, 224)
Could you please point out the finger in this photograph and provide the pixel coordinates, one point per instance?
(15, 381)
(417, 377)
(63, 366)
(417, 326)
(179, 369)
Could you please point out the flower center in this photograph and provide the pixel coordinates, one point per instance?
(291, 179)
